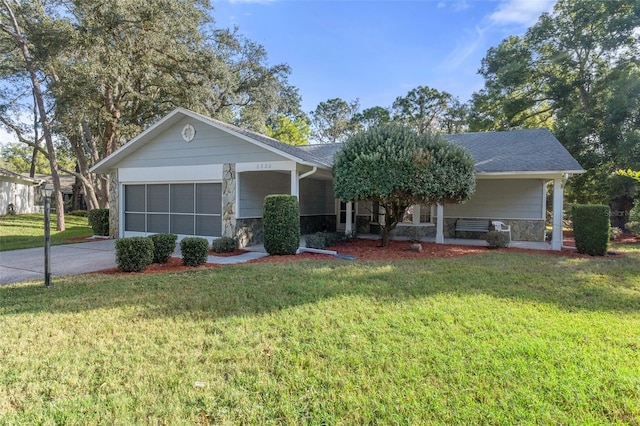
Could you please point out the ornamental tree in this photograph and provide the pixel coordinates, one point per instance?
(396, 167)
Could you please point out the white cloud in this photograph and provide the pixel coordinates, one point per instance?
(456, 6)
(466, 45)
(520, 12)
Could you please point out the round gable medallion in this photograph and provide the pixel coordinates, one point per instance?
(188, 133)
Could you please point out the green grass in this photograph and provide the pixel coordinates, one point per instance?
(27, 231)
(498, 338)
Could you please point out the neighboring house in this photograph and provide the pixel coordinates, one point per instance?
(72, 191)
(19, 194)
(192, 175)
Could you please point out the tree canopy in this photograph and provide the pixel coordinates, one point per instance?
(396, 167)
(576, 72)
(108, 69)
(332, 120)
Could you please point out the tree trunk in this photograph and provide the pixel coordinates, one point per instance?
(34, 156)
(22, 43)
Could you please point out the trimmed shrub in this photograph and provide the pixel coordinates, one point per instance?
(224, 245)
(497, 239)
(614, 233)
(316, 241)
(321, 240)
(281, 224)
(634, 227)
(80, 213)
(99, 221)
(163, 246)
(634, 214)
(194, 251)
(134, 254)
(591, 228)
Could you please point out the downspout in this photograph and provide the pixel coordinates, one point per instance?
(309, 173)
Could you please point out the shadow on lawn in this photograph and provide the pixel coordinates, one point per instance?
(571, 284)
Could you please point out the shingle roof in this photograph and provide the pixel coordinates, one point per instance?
(303, 154)
(498, 152)
(516, 151)
(494, 152)
(16, 177)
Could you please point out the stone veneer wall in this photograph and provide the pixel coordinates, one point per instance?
(415, 232)
(114, 203)
(521, 230)
(229, 200)
(249, 231)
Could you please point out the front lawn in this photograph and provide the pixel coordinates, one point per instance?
(496, 338)
(27, 231)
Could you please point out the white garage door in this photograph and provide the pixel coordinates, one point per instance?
(180, 208)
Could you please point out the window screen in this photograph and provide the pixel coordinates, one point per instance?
(181, 208)
(182, 198)
(158, 198)
(134, 198)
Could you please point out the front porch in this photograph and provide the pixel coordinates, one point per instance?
(529, 245)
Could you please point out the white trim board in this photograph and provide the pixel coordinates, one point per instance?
(207, 172)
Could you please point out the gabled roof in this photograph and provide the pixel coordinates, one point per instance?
(515, 151)
(9, 176)
(534, 150)
(270, 144)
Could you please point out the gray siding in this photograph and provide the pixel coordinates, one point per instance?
(210, 146)
(254, 186)
(502, 199)
(316, 197)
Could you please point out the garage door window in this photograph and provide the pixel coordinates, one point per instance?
(184, 208)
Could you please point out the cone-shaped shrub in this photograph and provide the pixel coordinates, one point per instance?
(591, 228)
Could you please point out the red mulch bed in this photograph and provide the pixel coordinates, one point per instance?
(235, 252)
(173, 265)
(371, 250)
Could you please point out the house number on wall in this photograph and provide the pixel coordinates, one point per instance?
(263, 166)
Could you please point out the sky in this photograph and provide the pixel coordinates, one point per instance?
(378, 50)
(375, 51)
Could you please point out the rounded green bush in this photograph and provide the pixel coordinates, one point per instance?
(195, 251)
(281, 224)
(224, 245)
(134, 254)
(163, 246)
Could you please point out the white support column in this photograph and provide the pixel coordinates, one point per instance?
(558, 197)
(295, 184)
(348, 228)
(440, 224)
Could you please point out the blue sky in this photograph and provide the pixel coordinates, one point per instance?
(378, 50)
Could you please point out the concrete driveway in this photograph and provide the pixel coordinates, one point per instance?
(71, 259)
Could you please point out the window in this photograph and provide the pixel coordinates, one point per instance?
(417, 214)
